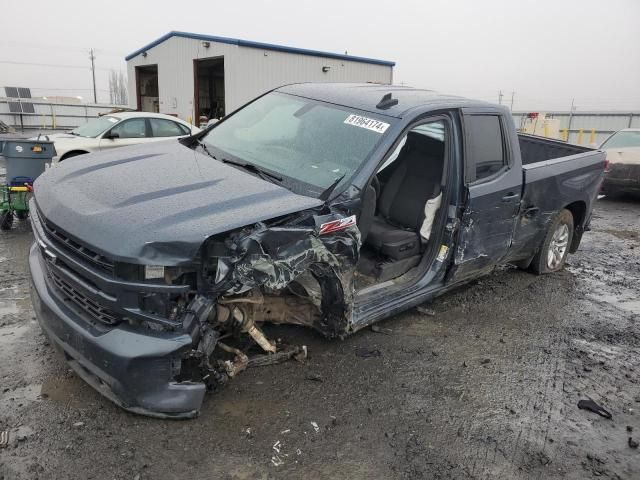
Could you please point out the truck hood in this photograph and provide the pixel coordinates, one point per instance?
(156, 203)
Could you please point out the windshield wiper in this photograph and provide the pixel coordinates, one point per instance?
(250, 167)
(206, 150)
(327, 191)
(74, 133)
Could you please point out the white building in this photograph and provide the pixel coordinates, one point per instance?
(194, 76)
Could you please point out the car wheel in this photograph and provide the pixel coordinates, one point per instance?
(555, 247)
(6, 220)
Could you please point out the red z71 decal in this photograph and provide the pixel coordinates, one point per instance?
(337, 225)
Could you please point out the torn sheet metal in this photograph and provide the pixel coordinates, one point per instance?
(273, 257)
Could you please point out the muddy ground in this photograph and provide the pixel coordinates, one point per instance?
(486, 388)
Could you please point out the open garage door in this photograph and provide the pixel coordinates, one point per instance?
(147, 89)
(209, 89)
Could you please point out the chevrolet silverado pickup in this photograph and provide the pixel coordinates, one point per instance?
(330, 206)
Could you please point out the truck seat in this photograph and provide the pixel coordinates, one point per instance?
(416, 179)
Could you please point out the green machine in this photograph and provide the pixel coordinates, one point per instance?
(24, 161)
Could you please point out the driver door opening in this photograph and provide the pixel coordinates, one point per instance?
(400, 206)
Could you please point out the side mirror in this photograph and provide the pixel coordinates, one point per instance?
(111, 135)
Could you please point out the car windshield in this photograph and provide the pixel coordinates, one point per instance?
(95, 127)
(622, 140)
(310, 144)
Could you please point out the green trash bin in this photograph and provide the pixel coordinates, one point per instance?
(24, 161)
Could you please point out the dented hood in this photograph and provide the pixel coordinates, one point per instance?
(156, 204)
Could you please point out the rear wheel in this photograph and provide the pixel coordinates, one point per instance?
(6, 220)
(555, 247)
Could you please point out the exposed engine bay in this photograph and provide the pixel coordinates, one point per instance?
(298, 274)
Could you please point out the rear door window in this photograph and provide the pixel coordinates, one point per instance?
(132, 128)
(161, 127)
(485, 146)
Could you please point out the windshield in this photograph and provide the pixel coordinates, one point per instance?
(622, 140)
(95, 127)
(312, 144)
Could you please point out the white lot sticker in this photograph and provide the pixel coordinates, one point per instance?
(442, 254)
(368, 123)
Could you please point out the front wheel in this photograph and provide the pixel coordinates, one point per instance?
(555, 247)
(6, 220)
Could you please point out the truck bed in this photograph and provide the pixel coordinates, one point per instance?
(556, 175)
(537, 149)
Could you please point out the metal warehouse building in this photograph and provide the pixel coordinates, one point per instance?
(194, 76)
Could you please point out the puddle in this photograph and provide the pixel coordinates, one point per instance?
(9, 334)
(8, 307)
(64, 389)
(20, 397)
(610, 352)
(625, 302)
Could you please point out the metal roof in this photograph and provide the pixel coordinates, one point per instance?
(260, 45)
(365, 96)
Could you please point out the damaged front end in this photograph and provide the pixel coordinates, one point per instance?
(294, 270)
(153, 338)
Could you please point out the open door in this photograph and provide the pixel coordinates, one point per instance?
(147, 89)
(209, 98)
(494, 187)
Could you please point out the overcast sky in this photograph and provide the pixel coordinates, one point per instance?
(547, 52)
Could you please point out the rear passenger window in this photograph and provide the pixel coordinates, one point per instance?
(486, 149)
(165, 128)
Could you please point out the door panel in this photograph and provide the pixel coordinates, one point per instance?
(494, 188)
(132, 131)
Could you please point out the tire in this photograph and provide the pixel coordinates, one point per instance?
(555, 246)
(6, 220)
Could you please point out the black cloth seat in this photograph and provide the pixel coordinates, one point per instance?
(415, 179)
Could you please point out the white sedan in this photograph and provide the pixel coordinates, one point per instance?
(119, 130)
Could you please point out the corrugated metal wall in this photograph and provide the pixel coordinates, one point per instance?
(604, 123)
(249, 72)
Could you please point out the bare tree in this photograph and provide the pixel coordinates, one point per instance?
(117, 88)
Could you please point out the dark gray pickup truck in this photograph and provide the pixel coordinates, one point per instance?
(324, 205)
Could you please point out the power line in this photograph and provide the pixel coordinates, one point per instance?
(32, 64)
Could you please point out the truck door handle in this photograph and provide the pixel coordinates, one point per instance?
(510, 196)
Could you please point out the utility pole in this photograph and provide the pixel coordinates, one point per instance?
(513, 94)
(92, 57)
(500, 97)
(570, 117)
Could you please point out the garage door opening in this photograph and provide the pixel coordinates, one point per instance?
(209, 89)
(147, 88)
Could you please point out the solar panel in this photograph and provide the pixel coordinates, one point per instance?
(24, 92)
(11, 92)
(27, 107)
(19, 106)
(15, 107)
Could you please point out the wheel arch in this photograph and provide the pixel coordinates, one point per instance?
(72, 153)
(579, 211)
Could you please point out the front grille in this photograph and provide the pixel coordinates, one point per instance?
(75, 248)
(85, 304)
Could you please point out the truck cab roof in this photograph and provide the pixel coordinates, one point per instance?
(367, 97)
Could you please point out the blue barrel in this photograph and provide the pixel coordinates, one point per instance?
(25, 160)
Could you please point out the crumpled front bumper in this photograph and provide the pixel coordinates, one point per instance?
(134, 369)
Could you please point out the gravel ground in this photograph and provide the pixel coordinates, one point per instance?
(487, 387)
